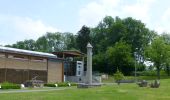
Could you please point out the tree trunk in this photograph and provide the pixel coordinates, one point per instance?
(158, 72)
(167, 69)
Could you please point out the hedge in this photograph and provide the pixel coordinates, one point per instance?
(7, 85)
(61, 84)
(50, 85)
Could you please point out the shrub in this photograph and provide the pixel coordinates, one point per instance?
(50, 85)
(73, 84)
(7, 85)
(63, 84)
(60, 84)
(118, 76)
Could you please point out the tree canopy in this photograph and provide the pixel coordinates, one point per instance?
(117, 43)
(158, 53)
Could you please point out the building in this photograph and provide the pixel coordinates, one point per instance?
(74, 66)
(18, 66)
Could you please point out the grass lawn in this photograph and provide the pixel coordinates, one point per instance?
(109, 92)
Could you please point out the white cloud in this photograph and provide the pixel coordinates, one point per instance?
(33, 28)
(22, 28)
(93, 12)
(139, 10)
(164, 24)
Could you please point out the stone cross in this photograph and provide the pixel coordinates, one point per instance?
(89, 63)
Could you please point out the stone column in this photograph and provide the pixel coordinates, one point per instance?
(89, 63)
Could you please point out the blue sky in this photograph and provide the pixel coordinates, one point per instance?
(29, 19)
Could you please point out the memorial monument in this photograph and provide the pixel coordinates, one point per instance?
(89, 82)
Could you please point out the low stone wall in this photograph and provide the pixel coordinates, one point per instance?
(77, 79)
(126, 81)
(82, 79)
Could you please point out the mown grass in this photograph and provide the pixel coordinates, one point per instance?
(111, 79)
(107, 92)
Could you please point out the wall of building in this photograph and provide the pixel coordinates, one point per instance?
(20, 68)
(55, 71)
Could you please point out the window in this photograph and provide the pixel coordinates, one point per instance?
(79, 72)
(18, 57)
(21, 57)
(79, 66)
(38, 59)
(79, 63)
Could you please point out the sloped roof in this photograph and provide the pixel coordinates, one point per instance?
(26, 52)
(69, 53)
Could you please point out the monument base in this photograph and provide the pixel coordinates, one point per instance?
(84, 85)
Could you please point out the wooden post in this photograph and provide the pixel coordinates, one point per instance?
(62, 71)
(47, 70)
(29, 59)
(6, 57)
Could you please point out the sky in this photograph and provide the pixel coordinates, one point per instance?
(30, 19)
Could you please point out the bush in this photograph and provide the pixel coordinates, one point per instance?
(73, 84)
(118, 76)
(7, 85)
(64, 84)
(50, 85)
(61, 84)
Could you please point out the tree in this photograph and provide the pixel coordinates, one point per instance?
(100, 63)
(166, 38)
(138, 36)
(30, 45)
(118, 76)
(157, 53)
(83, 38)
(106, 34)
(54, 41)
(42, 44)
(120, 57)
(69, 40)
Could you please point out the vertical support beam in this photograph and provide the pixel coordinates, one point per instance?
(63, 55)
(89, 63)
(29, 60)
(47, 70)
(83, 66)
(6, 58)
(62, 71)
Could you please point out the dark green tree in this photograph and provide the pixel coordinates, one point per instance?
(42, 44)
(120, 57)
(83, 38)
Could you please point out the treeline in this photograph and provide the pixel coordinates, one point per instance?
(48, 43)
(117, 44)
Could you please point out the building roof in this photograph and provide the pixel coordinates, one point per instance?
(26, 52)
(69, 53)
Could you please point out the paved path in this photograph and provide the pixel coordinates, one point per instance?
(34, 90)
